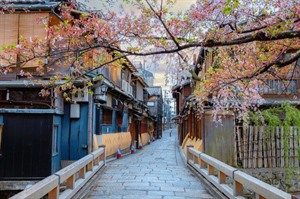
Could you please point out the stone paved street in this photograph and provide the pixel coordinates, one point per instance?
(155, 172)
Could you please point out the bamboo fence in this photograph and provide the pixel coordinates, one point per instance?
(260, 147)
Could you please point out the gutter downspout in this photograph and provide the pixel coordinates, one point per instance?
(90, 125)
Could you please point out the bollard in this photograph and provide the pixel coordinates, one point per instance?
(132, 149)
(140, 146)
(119, 153)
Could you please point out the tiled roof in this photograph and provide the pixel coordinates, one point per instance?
(145, 73)
(156, 90)
(22, 1)
(29, 4)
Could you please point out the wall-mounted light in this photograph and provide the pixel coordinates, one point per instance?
(103, 89)
(100, 92)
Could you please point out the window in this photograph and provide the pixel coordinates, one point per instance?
(107, 116)
(54, 140)
(1, 134)
(3, 94)
(278, 86)
(8, 35)
(25, 98)
(150, 104)
(21, 25)
(119, 118)
(134, 90)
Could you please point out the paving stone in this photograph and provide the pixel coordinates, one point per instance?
(106, 197)
(172, 189)
(191, 193)
(143, 197)
(155, 172)
(174, 197)
(147, 188)
(161, 193)
(136, 184)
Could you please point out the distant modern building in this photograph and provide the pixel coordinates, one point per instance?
(167, 114)
(147, 76)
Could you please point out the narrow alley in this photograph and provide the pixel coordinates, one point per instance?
(155, 172)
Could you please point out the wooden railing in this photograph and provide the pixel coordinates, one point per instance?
(229, 180)
(72, 177)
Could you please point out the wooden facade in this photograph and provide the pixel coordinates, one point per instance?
(39, 135)
(224, 141)
(26, 150)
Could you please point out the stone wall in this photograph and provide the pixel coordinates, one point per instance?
(286, 179)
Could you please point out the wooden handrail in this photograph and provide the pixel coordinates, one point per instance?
(209, 165)
(40, 189)
(73, 176)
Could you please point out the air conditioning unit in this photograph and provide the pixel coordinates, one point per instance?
(101, 98)
(75, 111)
(124, 85)
(129, 89)
(98, 95)
(81, 96)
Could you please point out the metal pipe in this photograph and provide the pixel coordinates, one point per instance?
(90, 125)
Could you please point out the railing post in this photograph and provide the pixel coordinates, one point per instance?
(237, 188)
(257, 196)
(96, 161)
(222, 177)
(188, 154)
(54, 193)
(104, 153)
(90, 166)
(82, 173)
(202, 163)
(211, 170)
(70, 182)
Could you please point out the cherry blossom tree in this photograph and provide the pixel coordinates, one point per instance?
(250, 41)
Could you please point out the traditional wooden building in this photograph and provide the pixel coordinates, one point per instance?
(40, 135)
(197, 127)
(31, 125)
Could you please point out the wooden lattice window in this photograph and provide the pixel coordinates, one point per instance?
(8, 36)
(31, 26)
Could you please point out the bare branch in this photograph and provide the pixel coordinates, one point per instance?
(159, 16)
